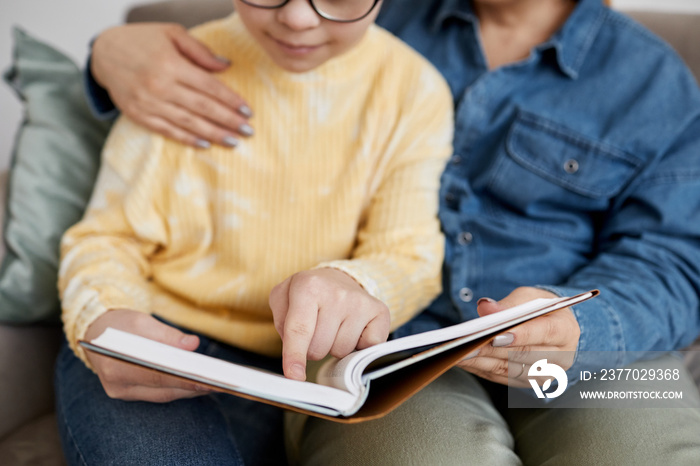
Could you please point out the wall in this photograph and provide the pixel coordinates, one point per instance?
(70, 25)
(658, 5)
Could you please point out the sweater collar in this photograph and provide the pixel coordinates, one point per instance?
(336, 67)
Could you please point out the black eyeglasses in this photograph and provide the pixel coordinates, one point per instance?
(341, 11)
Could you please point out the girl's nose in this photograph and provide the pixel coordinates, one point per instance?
(298, 15)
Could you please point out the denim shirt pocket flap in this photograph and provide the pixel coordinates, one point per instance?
(562, 156)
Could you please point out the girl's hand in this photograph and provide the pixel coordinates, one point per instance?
(126, 381)
(324, 311)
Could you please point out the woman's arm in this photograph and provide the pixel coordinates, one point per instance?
(162, 78)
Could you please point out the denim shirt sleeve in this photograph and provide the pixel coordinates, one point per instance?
(648, 271)
(98, 98)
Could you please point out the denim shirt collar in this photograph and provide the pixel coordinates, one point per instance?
(453, 9)
(571, 43)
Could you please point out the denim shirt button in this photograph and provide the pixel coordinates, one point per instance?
(465, 238)
(466, 294)
(456, 159)
(452, 200)
(571, 166)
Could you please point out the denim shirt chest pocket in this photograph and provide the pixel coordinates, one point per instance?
(555, 180)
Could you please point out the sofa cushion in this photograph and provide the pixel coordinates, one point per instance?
(36, 443)
(183, 12)
(53, 168)
(680, 30)
(27, 356)
(3, 185)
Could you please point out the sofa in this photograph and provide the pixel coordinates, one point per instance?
(27, 422)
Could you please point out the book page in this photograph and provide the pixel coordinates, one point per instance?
(341, 373)
(220, 373)
(349, 372)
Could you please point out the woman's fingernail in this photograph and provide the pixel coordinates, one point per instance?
(246, 130)
(202, 144)
(230, 141)
(473, 354)
(503, 340)
(485, 300)
(223, 60)
(245, 111)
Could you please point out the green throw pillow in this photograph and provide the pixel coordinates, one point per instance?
(53, 169)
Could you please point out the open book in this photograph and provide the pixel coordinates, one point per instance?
(395, 370)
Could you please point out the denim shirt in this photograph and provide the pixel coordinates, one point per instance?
(575, 168)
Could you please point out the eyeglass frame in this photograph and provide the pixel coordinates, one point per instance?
(318, 12)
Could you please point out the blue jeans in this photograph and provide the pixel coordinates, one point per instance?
(215, 429)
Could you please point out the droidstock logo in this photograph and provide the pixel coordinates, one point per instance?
(544, 369)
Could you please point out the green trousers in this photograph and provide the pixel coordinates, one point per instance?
(459, 420)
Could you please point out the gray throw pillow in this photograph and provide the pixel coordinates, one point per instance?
(54, 165)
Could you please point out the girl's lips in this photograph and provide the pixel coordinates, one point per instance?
(298, 50)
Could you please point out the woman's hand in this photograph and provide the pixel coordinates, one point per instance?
(161, 77)
(324, 311)
(126, 381)
(557, 333)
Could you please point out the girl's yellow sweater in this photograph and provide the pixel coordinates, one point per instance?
(343, 172)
